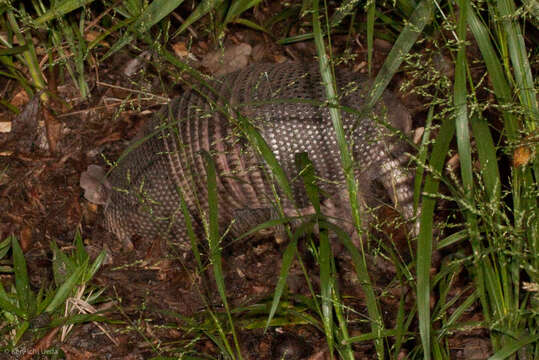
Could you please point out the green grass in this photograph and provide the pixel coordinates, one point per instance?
(20, 305)
(490, 237)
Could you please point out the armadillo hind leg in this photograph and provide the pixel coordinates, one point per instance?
(338, 211)
(246, 219)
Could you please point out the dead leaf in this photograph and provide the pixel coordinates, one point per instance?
(5, 126)
(224, 61)
(25, 238)
(136, 64)
(476, 349)
(382, 44)
(320, 355)
(4, 179)
(92, 35)
(41, 345)
(115, 136)
(418, 134)
(444, 65)
(53, 128)
(72, 353)
(280, 58)
(25, 125)
(453, 163)
(180, 49)
(521, 156)
(360, 66)
(20, 99)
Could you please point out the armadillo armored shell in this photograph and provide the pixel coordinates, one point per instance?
(285, 103)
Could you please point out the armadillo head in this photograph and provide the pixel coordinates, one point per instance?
(96, 186)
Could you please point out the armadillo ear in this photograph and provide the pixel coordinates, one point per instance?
(94, 183)
(398, 116)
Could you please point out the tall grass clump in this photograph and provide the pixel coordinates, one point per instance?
(499, 213)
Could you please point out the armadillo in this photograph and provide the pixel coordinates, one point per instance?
(285, 103)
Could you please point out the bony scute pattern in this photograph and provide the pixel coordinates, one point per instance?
(285, 102)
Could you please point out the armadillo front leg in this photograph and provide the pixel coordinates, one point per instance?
(398, 184)
(338, 211)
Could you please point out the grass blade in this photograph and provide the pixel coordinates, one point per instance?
(328, 79)
(421, 17)
(237, 8)
(326, 288)
(22, 283)
(519, 58)
(214, 245)
(65, 289)
(486, 151)
(29, 55)
(345, 8)
(371, 7)
(461, 112)
(424, 241)
(464, 149)
(189, 228)
(502, 90)
(6, 305)
(307, 172)
(202, 9)
(150, 16)
(288, 256)
(5, 246)
(422, 157)
(513, 347)
(265, 151)
(60, 9)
